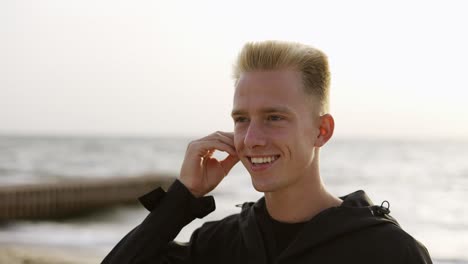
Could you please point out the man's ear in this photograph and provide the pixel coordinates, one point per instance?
(326, 128)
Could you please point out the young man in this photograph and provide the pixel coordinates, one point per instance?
(281, 118)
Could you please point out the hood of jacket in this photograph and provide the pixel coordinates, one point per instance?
(357, 212)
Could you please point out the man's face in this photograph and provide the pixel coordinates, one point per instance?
(275, 128)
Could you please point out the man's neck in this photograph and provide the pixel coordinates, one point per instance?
(301, 202)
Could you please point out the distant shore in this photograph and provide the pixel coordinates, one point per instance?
(38, 254)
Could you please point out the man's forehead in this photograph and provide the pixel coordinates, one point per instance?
(271, 91)
(251, 103)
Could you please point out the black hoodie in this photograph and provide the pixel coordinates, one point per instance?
(355, 232)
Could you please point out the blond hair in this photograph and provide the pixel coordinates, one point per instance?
(279, 55)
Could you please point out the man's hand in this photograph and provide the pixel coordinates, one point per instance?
(200, 172)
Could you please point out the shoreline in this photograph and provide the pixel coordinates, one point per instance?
(48, 254)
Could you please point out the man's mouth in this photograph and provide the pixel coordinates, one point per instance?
(262, 162)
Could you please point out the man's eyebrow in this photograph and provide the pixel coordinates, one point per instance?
(276, 109)
(236, 112)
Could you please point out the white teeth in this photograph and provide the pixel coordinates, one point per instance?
(263, 160)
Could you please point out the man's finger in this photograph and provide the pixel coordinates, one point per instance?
(226, 134)
(223, 137)
(202, 147)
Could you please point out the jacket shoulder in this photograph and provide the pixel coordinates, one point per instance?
(402, 243)
(391, 243)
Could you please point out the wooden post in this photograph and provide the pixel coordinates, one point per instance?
(52, 200)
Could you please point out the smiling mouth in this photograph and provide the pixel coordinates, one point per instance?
(257, 161)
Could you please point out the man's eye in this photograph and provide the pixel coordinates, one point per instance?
(240, 119)
(274, 118)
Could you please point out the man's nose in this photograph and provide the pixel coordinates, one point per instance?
(254, 136)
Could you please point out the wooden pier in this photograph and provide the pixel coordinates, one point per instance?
(65, 199)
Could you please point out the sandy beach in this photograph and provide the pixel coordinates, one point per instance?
(29, 254)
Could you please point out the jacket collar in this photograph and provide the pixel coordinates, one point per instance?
(355, 213)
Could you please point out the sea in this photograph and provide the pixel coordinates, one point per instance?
(425, 182)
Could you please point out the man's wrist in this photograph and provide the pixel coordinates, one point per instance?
(199, 206)
(192, 191)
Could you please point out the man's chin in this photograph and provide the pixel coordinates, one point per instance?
(263, 187)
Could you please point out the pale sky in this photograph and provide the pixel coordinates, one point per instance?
(158, 68)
